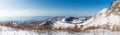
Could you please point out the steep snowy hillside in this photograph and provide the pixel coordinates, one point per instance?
(108, 18)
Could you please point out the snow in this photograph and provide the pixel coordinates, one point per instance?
(2, 28)
(104, 17)
(17, 33)
(101, 18)
(101, 32)
(77, 21)
(62, 24)
(98, 19)
(12, 31)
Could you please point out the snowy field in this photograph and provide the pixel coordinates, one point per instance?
(12, 31)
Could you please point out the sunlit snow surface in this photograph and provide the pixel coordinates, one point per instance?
(12, 31)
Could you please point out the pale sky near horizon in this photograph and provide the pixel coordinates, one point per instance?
(52, 7)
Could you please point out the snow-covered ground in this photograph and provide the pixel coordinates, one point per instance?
(12, 31)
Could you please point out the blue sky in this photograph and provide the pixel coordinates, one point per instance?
(52, 7)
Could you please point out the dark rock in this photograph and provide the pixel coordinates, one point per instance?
(71, 18)
(48, 23)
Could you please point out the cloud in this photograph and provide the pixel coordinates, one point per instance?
(28, 13)
(20, 13)
(10, 12)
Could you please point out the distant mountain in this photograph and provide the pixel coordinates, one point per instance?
(53, 23)
(62, 22)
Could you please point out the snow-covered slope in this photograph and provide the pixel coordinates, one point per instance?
(108, 18)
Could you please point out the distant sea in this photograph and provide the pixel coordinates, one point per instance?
(38, 18)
